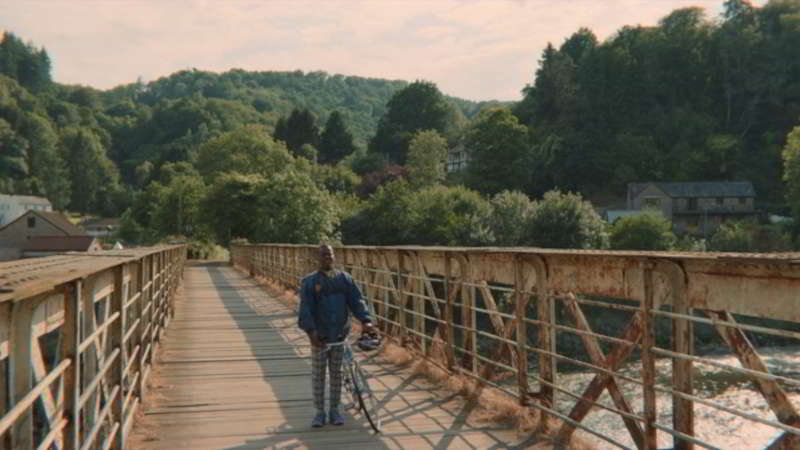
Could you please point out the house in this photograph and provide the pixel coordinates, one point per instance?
(33, 223)
(457, 159)
(696, 208)
(100, 227)
(51, 245)
(13, 206)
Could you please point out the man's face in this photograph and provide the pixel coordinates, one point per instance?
(326, 257)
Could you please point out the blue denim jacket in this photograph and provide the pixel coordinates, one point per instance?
(326, 304)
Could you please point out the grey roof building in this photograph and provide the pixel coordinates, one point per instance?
(695, 207)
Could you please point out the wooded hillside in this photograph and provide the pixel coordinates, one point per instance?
(691, 99)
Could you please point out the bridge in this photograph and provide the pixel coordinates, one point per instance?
(568, 336)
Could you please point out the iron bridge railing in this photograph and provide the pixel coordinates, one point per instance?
(634, 324)
(78, 336)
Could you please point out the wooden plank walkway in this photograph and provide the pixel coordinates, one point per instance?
(233, 372)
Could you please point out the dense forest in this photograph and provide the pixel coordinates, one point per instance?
(303, 157)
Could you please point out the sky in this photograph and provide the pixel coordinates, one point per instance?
(472, 49)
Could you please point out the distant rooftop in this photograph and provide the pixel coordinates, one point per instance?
(699, 189)
(58, 243)
(27, 199)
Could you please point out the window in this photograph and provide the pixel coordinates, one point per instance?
(691, 204)
(720, 201)
(742, 200)
(652, 203)
(31, 222)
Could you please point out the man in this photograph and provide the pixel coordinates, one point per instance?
(327, 298)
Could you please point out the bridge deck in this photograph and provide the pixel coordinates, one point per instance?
(234, 373)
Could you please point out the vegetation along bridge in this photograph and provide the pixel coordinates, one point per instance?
(610, 349)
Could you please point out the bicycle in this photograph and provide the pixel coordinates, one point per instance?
(355, 383)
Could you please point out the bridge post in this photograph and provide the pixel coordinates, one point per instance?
(401, 298)
(449, 292)
(521, 297)
(70, 342)
(648, 358)
(117, 331)
(5, 382)
(137, 335)
(682, 335)
(546, 340)
(90, 353)
(20, 370)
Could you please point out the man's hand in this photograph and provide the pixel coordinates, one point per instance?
(315, 342)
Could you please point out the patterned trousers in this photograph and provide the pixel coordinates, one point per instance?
(331, 359)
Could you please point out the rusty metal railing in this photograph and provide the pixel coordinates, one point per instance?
(78, 334)
(635, 324)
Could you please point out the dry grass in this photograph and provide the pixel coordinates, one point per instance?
(491, 405)
(144, 427)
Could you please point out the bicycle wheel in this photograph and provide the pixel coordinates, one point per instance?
(349, 385)
(365, 397)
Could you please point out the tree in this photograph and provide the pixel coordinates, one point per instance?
(13, 152)
(336, 141)
(791, 171)
(248, 149)
(24, 62)
(386, 219)
(179, 211)
(281, 131)
(642, 232)
(48, 168)
(453, 216)
(229, 207)
(511, 213)
(301, 128)
(566, 220)
(499, 153)
(301, 212)
(335, 178)
(419, 106)
(92, 173)
(427, 156)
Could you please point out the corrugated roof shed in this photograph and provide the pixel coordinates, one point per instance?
(58, 243)
(61, 222)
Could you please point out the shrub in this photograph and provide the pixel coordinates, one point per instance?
(566, 220)
(642, 232)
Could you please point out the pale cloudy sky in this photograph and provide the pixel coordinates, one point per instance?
(473, 49)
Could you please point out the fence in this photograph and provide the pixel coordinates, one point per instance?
(530, 321)
(78, 334)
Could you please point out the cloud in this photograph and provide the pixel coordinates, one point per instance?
(475, 49)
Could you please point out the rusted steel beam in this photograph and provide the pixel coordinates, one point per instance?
(599, 359)
(786, 441)
(774, 395)
(497, 321)
(440, 331)
(615, 359)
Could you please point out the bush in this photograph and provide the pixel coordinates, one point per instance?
(566, 221)
(436, 215)
(511, 212)
(748, 236)
(454, 216)
(642, 232)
